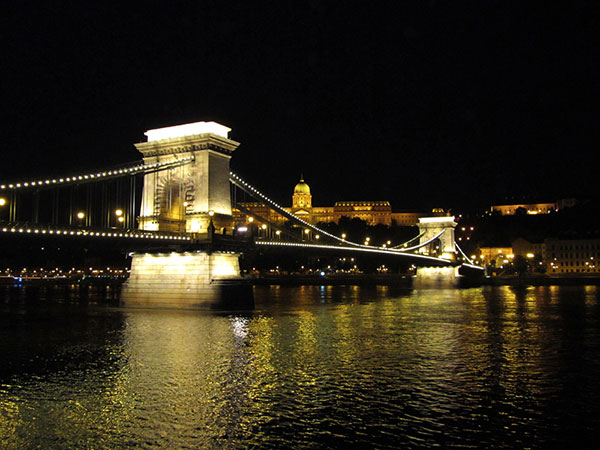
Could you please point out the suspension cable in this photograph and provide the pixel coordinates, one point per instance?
(251, 190)
(103, 175)
(418, 236)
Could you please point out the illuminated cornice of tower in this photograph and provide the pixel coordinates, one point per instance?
(187, 129)
(191, 143)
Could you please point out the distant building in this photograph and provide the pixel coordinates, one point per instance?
(528, 249)
(406, 219)
(558, 256)
(572, 256)
(534, 208)
(494, 256)
(372, 212)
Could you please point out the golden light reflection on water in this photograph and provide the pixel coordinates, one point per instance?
(10, 421)
(313, 366)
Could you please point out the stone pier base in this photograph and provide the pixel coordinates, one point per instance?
(190, 280)
(436, 277)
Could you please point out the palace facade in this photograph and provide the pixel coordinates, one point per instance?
(372, 212)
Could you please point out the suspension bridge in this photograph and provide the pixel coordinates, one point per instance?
(180, 200)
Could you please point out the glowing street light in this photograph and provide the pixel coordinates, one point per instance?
(2, 201)
(120, 217)
(80, 217)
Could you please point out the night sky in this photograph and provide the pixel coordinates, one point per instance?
(425, 103)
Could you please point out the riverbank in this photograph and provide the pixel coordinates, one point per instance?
(543, 280)
(407, 280)
(327, 280)
(332, 279)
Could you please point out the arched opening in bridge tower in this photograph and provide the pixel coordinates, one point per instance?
(434, 247)
(172, 209)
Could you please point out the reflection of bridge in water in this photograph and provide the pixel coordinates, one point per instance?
(183, 207)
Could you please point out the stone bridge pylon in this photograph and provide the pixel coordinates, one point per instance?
(444, 246)
(185, 198)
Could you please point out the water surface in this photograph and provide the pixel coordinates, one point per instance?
(310, 367)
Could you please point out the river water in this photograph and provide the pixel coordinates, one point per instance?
(310, 367)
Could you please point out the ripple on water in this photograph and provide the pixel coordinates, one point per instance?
(350, 367)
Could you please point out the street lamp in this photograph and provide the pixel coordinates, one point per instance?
(119, 214)
(3, 202)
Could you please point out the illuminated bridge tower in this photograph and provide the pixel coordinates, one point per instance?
(180, 199)
(429, 228)
(442, 247)
(186, 198)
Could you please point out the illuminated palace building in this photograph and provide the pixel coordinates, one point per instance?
(372, 212)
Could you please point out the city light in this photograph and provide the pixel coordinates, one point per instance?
(139, 234)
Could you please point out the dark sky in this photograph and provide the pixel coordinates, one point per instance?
(425, 103)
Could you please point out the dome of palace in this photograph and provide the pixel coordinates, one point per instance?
(301, 188)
